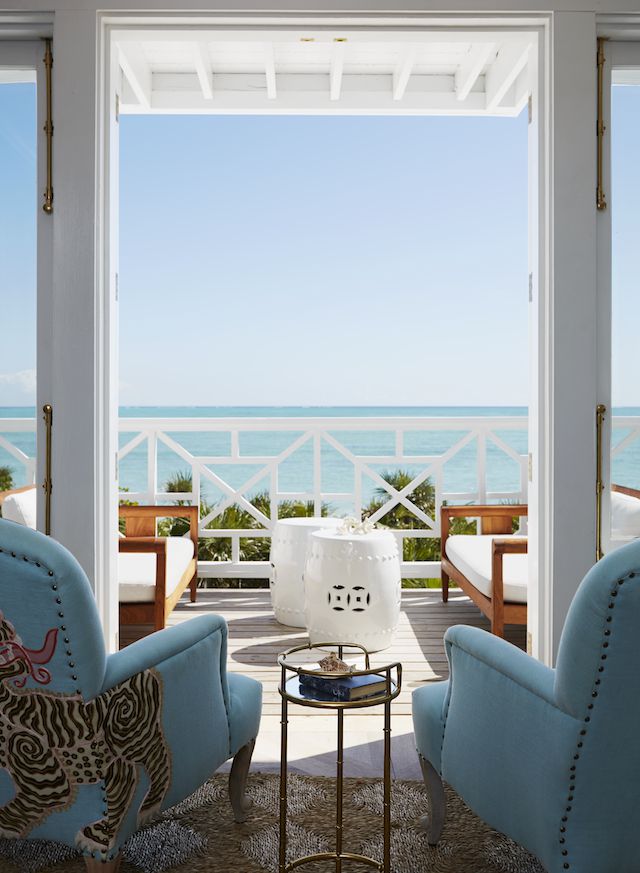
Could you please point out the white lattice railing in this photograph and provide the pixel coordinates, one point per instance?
(347, 439)
(229, 460)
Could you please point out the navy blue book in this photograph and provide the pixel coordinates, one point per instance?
(343, 687)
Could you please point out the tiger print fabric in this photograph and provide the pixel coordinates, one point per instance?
(52, 743)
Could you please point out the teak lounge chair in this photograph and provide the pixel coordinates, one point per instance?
(154, 571)
(490, 568)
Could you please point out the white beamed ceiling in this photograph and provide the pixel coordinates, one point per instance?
(233, 71)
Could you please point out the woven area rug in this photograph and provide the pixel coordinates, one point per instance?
(200, 836)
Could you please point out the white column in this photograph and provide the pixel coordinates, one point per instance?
(73, 309)
(571, 327)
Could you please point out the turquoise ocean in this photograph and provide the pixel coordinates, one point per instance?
(296, 473)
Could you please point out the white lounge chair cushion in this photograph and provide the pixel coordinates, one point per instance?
(21, 508)
(137, 572)
(625, 515)
(472, 556)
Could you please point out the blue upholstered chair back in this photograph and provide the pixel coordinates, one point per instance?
(50, 634)
(598, 682)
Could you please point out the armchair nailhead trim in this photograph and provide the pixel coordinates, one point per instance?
(58, 600)
(583, 732)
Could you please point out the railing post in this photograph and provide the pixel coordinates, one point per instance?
(152, 465)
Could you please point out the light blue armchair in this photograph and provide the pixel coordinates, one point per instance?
(93, 746)
(549, 757)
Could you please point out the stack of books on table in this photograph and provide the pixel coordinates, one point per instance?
(342, 686)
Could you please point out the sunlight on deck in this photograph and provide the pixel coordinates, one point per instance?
(256, 639)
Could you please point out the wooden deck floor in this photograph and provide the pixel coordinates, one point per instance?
(256, 639)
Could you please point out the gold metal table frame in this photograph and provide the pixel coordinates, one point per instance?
(289, 693)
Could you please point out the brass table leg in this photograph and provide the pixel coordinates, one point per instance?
(386, 858)
(283, 787)
(339, 787)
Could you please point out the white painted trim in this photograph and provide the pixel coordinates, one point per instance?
(488, 29)
(137, 72)
(25, 61)
(622, 56)
(106, 371)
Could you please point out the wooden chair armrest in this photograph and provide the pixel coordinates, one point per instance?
(483, 510)
(158, 511)
(142, 518)
(510, 546)
(145, 545)
(5, 494)
(621, 489)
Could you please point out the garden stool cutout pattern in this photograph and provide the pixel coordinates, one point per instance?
(352, 585)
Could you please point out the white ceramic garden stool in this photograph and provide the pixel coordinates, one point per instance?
(352, 588)
(288, 553)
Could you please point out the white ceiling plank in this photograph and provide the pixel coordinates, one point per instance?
(402, 73)
(469, 70)
(203, 69)
(270, 71)
(337, 67)
(137, 72)
(509, 63)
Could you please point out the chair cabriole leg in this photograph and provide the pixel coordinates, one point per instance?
(240, 803)
(434, 822)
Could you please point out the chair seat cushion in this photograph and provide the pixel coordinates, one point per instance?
(472, 556)
(428, 720)
(625, 516)
(21, 508)
(137, 572)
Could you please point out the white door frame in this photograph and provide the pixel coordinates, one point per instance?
(28, 56)
(542, 637)
(619, 55)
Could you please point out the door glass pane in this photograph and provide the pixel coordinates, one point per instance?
(625, 363)
(18, 212)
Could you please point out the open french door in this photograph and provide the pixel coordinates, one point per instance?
(618, 300)
(26, 235)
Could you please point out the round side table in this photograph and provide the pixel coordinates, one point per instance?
(291, 692)
(288, 552)
(352, 587)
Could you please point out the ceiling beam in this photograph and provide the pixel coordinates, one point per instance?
(511, 60)
(402, 72)
(522, 90)
(469, 70)
(241, 93)
(203, 68)
(337, 67)
(270, 71)
(137, 72)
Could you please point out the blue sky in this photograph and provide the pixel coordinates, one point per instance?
(309, 260)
